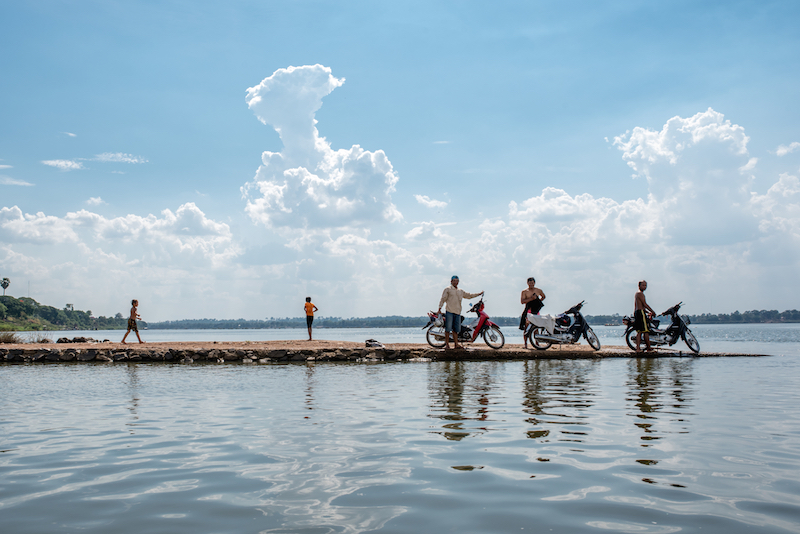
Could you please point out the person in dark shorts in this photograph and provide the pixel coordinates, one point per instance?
(132, 322)
(532, 298)
(641, 317)
(310, 309)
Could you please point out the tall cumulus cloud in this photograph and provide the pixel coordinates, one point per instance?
(309, 184)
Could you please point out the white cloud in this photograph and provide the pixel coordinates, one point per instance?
(783, 149)
(69, 134)
(425, 231)
(429, 202)
(118, 157)
(6, 166)
(441, 142)
(95, 201)
(35, 228)
(64, 164)
(7, 180)
(309, 185)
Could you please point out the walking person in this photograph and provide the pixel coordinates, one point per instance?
(532, 298)
(452, 317)
(132, 321)
(641, 317)
(310, 309)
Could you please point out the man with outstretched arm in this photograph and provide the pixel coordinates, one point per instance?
(452, 319)
(641, 315)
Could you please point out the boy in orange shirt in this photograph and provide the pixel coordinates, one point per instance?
(310, 309)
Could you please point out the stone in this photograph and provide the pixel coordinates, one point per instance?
(87, 355)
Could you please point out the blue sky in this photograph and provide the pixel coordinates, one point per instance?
(113, 112)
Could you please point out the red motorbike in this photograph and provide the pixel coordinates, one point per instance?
(482, 326)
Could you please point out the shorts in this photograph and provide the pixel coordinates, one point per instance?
(132, 325)
(309, 320)
(452, 322)
(640, 323)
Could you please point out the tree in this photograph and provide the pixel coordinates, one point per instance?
(5, 283)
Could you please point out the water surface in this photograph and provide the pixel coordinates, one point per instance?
(650, 445)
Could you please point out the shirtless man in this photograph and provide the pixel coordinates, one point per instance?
(642, 313)
(531, 298)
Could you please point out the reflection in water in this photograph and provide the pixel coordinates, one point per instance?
(459, 396)
(133, 387)
(659, 386)
(556, 393)
(660, 389)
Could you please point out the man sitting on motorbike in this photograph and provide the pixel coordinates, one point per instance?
(641, 317)
(452, 320)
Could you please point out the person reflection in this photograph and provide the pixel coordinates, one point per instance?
(659, 386)
(133, 388)
(558, 393)
(457, 390)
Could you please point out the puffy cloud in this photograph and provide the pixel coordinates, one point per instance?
(38, 228)
(783, 149)
(64, 164)
(95, 201)
(185, 232)
(308, 184)
(429, 202)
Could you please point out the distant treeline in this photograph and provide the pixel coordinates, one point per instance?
(753, 316)
(23, 313)
(398, 321)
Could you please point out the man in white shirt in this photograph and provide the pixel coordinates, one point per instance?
(452, 319)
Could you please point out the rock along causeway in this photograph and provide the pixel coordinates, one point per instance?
(272, 352)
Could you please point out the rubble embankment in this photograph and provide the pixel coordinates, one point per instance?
(301, 351)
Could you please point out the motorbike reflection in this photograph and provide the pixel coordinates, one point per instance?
(461, 396)
(557, 395)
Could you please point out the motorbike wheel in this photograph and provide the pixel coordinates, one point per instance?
(630, 339)
(494, 337)
(591, 338)
(435, 337)
(691, 341)
(539, 344)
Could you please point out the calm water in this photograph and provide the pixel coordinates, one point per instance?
(640, 446)
(773, 339)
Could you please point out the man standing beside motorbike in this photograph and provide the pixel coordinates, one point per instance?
(452, 296)
(532, 298)
(641, 317)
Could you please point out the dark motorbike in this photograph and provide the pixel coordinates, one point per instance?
(678, 329)
(469, 332)
(567, 330)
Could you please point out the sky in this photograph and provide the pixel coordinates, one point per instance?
(226, 160)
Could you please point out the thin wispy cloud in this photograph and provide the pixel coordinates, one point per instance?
(783, 149)
(441, 142)
(70, 134)
(7, 180)
(6, 166)
(118, 157)
(64, 164)
(429, 202)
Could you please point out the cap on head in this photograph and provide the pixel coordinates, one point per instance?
(454, 277)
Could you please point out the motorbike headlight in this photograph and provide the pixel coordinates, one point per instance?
(438, 322)
(686, 319)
